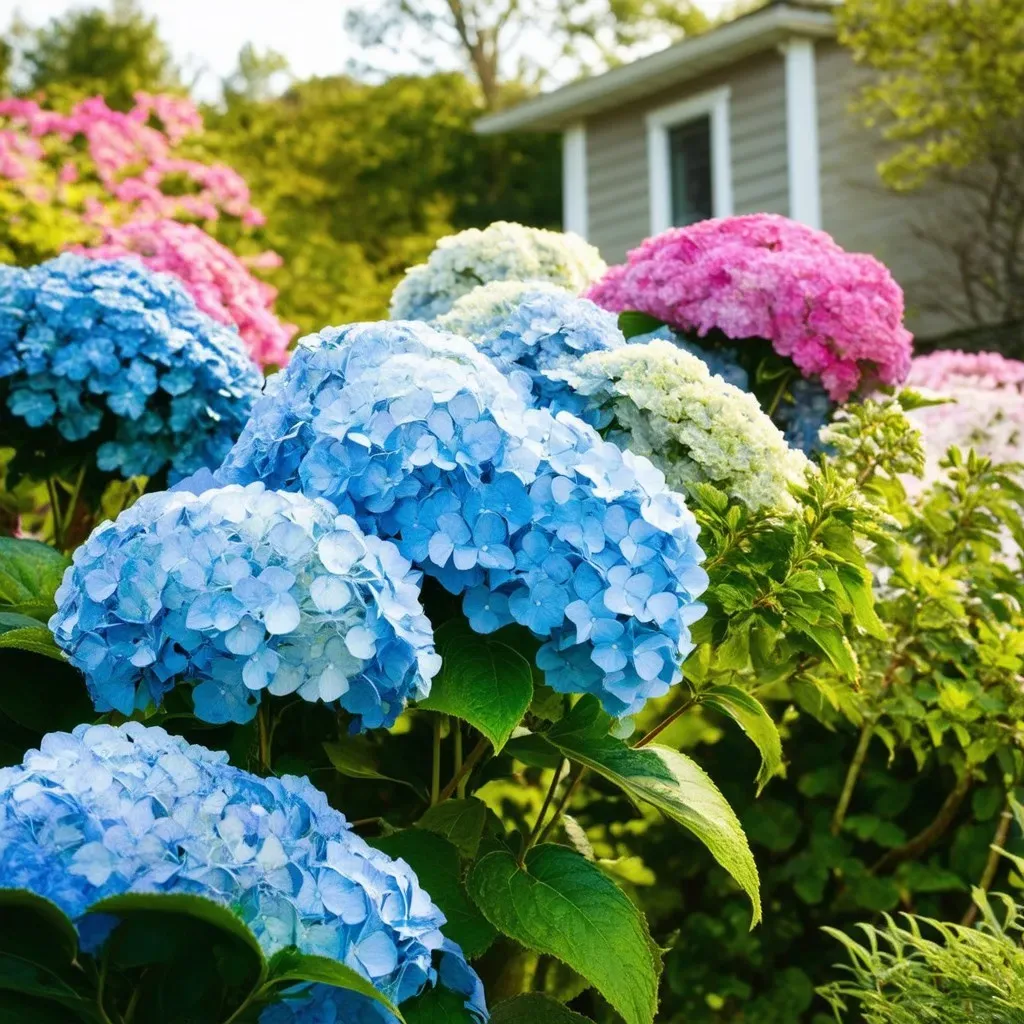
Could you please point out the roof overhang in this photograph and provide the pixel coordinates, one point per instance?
(686, 60)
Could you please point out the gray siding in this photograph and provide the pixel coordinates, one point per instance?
(618, 200)
(863, 216)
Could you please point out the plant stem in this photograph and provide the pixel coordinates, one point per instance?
(265, 730)
(69, 517)
(852, 774)
(913, 848)
(666, 722)
(55, 513)
(461, 787)
(531, 839)
(462, 775)
(570, 791)
(435, 774)
(786, 378)
(988, 876)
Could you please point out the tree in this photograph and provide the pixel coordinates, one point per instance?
(948, 93)
(500, 41)
(111, 53)
(255, 76)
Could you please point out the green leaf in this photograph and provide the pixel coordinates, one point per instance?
(290, 967)
(669, 780)
(16, 620)
(438, 1006)
(356, 758)
(35, 639)
(749, 714)
(533, 750)
(632, 322)
(30, 573)
(439, 870)
(461, 822)
(560, 904)
(831, 642)
(482, 681)
(535, 1008)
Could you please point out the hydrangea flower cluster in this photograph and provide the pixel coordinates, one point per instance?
(691, 423)
(105, 351)
(987, 411)
(104, 811)
(530, 333)
(214, 276)
(241, 591)
(500, 252)
(837, 315)
(530, 516)
(953, 369)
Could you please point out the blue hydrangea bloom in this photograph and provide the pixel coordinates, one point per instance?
(532, 517)
(241, 591)
(802, 418)
(104, 811)
(531, 331)
(118, 360)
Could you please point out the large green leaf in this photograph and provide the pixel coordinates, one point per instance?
(35, 639)
(632, 322)
(439, 870)
(438, 1006)
(671, 781)
(559, 903)
(483, 681)
(356, 757)
(30, 573)
(749, 714)
(290, 967)
(535, 1008)
(461, 822)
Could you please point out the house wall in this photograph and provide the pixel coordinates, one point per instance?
(863, 216)
(618, 201)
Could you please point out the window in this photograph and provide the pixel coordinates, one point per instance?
(689, 155)
(689, 161)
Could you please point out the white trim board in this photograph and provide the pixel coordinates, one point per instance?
(715, 103)
(575, 204)
(802, 132)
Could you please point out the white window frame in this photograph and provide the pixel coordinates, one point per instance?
(802, 132)
(715, 104)
(575, 202)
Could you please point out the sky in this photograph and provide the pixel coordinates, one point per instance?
(206, 35)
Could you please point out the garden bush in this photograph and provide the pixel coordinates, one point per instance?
(507, 655)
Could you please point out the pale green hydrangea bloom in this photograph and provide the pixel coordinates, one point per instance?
(489, 305)
(501, 252)
(690, 423)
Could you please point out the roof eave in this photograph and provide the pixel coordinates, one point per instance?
(685, 60)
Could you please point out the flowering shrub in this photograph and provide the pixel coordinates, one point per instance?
(943, 370)
(242, 591)
(213, 275)
(532, 518)
(500, 252)
(532, 334)
(837, 315)
(109, 183)
(668, 406)
(104, 359)
(105, 811)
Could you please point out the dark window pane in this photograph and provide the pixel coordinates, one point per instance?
(689, 147)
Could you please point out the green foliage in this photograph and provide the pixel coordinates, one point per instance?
(157, 941)
(558, 903)
(535, 1008)
(30, 573)
(922, 970)
(750, 715)
(949, 81)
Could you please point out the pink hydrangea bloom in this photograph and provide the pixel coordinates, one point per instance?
(837, 315)
(941, 371)
(217, 279)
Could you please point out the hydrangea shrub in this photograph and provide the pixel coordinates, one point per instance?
(837, 315)
(109, 365)
(104, 811)
(531, 334)
(667, 405)
(500, 252)
(244, 592)
(531, 517)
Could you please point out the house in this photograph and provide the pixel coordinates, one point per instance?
(753, 116)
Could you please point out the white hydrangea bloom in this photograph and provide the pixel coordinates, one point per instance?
(488, 305)
(692, 424)
(500, 252)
